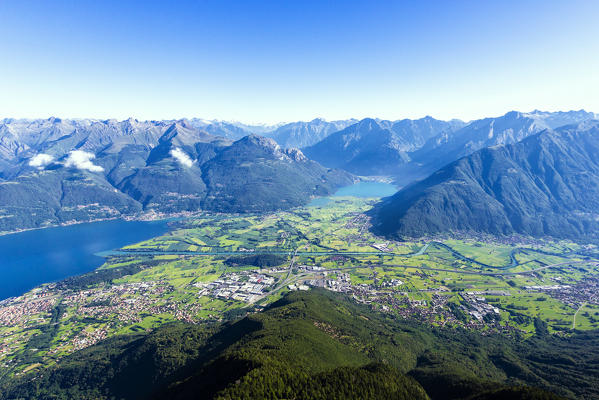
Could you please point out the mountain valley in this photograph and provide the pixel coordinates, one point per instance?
(478, 281)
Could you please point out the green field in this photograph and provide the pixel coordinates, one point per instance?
(441, 280)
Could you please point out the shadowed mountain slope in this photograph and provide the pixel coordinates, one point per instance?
(409, 150)
(545, 185)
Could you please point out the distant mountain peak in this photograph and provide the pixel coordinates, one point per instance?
(172, 131)
(369, 124)
(513, 115)
(184, 135)
(373, 147)
(560, 118)
(296, 155)
(261, 144)
(260, 141)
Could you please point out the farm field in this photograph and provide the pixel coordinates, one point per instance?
(216, 267)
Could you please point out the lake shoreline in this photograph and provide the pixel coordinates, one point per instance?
(39, 256)
(91, 221)
(148, 217)
(158, 216)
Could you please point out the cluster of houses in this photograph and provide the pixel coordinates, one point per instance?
(584, 291)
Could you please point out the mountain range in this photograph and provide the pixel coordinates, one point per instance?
(57, 171)
(410, 150)
(288, 135)
(63, 171)
(377, 147)
(509, 128)
(545, 185)
(23, 138)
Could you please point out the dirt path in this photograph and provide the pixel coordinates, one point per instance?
(576, 313)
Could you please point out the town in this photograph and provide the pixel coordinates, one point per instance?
(210, 269)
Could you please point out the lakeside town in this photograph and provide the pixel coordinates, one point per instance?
(124, 304)
(210, 269)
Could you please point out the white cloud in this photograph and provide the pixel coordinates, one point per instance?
(40, 160)
(181, 157)
(82, 160)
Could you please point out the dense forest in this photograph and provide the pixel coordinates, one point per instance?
(321, 345)
(257, 260)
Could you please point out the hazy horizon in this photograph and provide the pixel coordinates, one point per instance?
(279, 123)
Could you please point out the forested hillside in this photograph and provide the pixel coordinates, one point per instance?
(132, 171)
(545, 185)
(321, 345)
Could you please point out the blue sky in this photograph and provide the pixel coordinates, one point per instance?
(269, 61)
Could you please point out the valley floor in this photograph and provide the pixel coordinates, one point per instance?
(215, 267)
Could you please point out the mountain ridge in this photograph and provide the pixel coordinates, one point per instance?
(179, 171)
(372, 147)
(414, 149)
(544, 185)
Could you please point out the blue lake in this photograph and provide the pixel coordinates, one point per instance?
(30, 258)
(367, 189)
(360, 189)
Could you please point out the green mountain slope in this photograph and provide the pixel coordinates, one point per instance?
(187, 170)
(545, 185)
(255, 174)
(50, 197)
(320, 345)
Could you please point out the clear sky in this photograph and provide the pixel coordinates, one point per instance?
(269, 61)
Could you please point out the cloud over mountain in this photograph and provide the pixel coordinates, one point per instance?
(82, 160)
(180, 156)
(40, 160)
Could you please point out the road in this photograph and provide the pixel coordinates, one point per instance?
(466, 272)
(420, 252)
(576, 313)
(284, 281)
